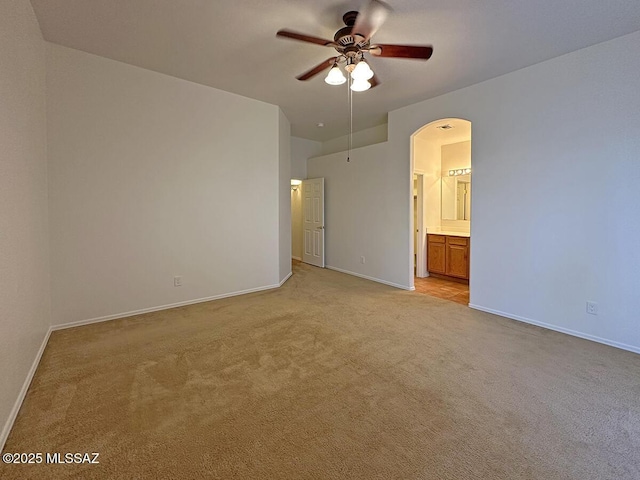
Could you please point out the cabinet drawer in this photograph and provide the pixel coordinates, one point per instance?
(458, 240)
(436, 238)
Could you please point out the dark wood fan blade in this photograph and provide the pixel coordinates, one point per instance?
(370, 19)
(317, 69)
(374, 81)
(304, 38)
(420, 52)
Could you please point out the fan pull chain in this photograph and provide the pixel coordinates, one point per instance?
(350, 97)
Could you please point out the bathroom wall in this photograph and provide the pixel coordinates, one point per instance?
(454, 156)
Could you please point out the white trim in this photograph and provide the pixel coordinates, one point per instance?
(373, 279)
(296, 258)
(420, 253)
(23, 392)
(574, 333)
(162, 307)
(285, 279)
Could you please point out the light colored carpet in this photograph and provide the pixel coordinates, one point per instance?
(330, 376)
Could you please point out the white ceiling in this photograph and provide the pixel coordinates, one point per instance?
(232, 45)
(461, 131)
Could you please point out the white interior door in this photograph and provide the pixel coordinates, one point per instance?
(313, 221)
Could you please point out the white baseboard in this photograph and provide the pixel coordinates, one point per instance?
(373, 279)
(285, 279)
(555, 328)
(23, 392)
(89, 321)
(296, 258)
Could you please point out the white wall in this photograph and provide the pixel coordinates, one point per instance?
(150, 177)
(368, 212)
(361, 138)
(427, 156)
(284, 194)
(454, 155)
(555, 190)
(356, 212)
(24, 237)
(301, 150)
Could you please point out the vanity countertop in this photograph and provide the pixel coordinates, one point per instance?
(450, 233)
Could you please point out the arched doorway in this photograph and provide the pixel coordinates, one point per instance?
(441, 203)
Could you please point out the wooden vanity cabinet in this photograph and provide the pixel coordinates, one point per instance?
(436, 254)
(448, 255)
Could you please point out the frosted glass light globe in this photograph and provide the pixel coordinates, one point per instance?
(362, 71)
(360, 85)
(335, 76)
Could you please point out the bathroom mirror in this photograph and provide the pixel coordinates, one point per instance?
(456, 197)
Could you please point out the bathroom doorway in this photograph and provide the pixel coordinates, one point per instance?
(419, 259)
(441, 220)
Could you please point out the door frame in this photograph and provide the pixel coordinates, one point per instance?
(420, 254)
(412, 170)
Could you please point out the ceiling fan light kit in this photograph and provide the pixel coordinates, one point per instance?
(350, 60)
(362, 71)
(335, 76)
(351, 42)
(360, 85)
(354, 40)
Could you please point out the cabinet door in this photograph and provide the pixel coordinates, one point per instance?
(436, 253)
(457, 260)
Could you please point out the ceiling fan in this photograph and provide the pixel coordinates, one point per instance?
(354, 40)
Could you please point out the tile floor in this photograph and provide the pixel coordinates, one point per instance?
(446, 289)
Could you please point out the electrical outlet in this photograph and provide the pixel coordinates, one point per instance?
(592, 308)
(177, 281)
(362, 260)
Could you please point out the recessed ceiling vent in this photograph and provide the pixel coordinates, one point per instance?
(446, 126)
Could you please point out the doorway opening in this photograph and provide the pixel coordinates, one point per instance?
(441, 209)
(296, 220)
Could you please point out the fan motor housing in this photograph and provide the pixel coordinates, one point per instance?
(343, 36)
